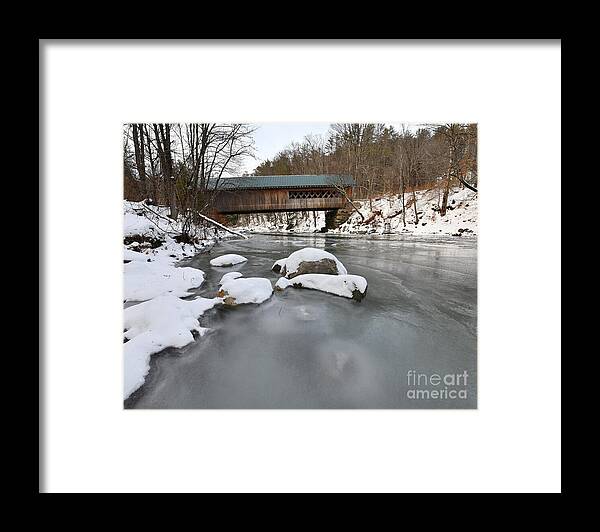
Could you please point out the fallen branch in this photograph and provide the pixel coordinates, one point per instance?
(372, 217)
(341, 189)
(158, 215)
(394, 215)
(153, 222)
(470, 187)
(144, 213)
(221, 226)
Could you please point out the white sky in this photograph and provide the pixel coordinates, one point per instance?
(271, 138)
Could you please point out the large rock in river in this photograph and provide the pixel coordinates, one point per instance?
(230, 259)
(309, 260)
(239, 291)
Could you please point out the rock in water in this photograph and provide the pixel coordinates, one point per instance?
(245, 290)
(228, 260)
(323, 266)
(350, 286)
(229, 276)
(277, 265)
(309, 261)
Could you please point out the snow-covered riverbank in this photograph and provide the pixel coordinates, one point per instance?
(148, 229)
(160, 319)
(461, 216)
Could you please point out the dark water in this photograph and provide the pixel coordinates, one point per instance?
(308, 349)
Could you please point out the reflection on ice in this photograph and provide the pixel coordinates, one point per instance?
(304, 313)
(339, 359)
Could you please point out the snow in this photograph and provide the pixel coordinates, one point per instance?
(165, 321)
(245, 290)
(129, 255)
(228, 260)
(308, 255)
(152, 222)
(341, 285)
(137, 225)
(462, 214)
(287, 222)
(221, 226)
(145, 280)
(230, 275)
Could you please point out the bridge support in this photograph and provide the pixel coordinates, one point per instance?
(336, 217)
(330, 217)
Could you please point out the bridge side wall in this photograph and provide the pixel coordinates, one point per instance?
(273, 200)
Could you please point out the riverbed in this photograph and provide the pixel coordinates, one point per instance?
(308, 349)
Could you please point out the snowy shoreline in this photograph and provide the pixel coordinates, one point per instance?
(155, 317)
(380, 216)
(374, 236)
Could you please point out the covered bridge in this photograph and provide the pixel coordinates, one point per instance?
(277, 193)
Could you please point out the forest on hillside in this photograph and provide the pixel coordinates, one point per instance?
(383, 160)
(179, 165)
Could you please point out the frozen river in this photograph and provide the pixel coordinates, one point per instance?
(309, 349)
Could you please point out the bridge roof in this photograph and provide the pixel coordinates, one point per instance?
(284, 181)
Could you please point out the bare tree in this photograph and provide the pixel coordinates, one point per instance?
(162, 137)
(138, 146)
(459, 139)
(210, 151)
(153, 162)
(410, 153)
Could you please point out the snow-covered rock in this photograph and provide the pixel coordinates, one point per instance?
(278, 264)
(150, 327)
(245, 290)
(228, 276)
(351, 286)
(309, 260)
(230, 259)
(145, 280)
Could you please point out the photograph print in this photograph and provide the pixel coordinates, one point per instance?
(300, 265)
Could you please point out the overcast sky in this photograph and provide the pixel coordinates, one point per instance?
(274, 137)
(271, 138)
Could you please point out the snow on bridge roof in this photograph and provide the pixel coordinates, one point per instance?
(283, 181)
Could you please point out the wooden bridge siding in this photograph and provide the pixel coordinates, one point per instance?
(273, 200)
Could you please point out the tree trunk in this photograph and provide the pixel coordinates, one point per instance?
(445, 196)
(415, 206)
(140, 163)
(152, 191)
(169, 169)
(162, 132)
(403, 204)
(451, 165)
